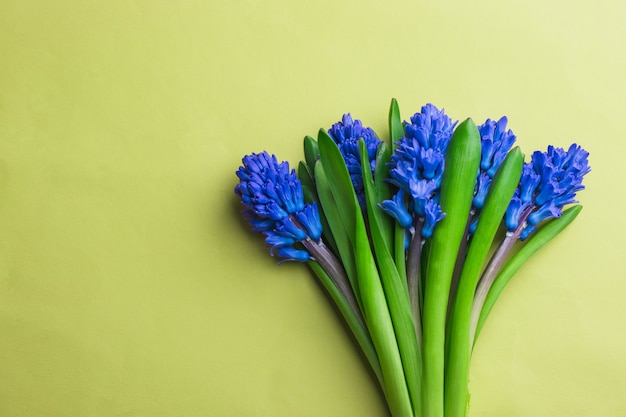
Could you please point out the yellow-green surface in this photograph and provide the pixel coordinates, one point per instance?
(129, 286)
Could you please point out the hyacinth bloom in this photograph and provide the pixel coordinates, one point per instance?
(274, 205)
(549, 181)
(496, 141)
(416, 168)
(346, 135)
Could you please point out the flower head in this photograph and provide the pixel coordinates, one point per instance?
(431, 128)
(549, 182)
(396, 207)
(496, 142)
(274, 205)
(417, 165)
(346, 135)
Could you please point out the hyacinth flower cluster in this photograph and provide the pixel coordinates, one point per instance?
(416, 169)
(496, 142)
(346, 135)
(274, 205)
(402, 234)
(549, 181)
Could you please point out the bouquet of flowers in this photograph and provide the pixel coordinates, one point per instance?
(414, 239)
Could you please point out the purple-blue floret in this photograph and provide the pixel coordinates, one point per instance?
(396, 207)
(432, 215)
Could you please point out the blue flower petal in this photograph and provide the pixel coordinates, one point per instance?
(432, 215)
(421, 192)
(274, 240)
(396, 208)
(482, 188)
(547, 211)
(293, 254)
(309, 217)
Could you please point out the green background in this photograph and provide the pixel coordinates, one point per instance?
(129, 285)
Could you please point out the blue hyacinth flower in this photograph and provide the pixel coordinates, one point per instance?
(495, 141)
(549, 181)
(416, 168)
(346, 135)
(274, 205)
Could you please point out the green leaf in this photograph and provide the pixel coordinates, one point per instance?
(311, 152)
(336, 227)
(380, 326)
(308, 183)
(396, 130)
(394, 286)
(537, 240)
(458, 361)
(340, 182)
(457, 190)
(382, 191)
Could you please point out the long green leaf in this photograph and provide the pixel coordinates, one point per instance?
(381, 191)
(374, 305)
(308, 182)
(458, 360)
(311, 152)
(394, 286)
(337, 227)
(457, 189)
(340, 182)
(396, 132)
(380, 326)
